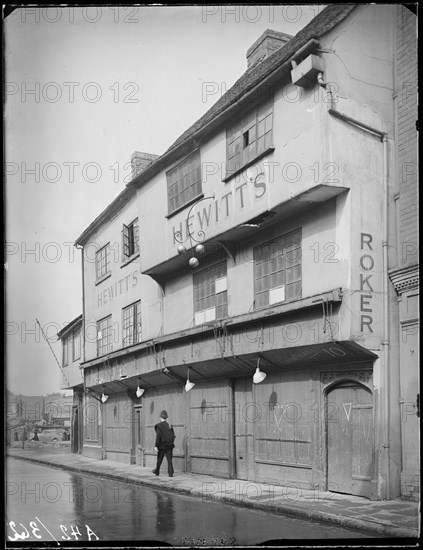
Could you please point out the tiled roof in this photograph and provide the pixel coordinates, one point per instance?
(327, 19)
(322, 23)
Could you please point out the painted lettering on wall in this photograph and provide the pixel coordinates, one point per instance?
(117, 289)
(220, 208)
(367, 264)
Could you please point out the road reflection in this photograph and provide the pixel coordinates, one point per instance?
(48, 504)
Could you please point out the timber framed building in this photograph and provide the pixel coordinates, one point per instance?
(293, 184)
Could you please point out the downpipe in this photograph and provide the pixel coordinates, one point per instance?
(385, 337)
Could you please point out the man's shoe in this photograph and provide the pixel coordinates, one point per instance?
(171, 475)
(155, 472)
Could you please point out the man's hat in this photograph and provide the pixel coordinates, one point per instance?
(163, 414)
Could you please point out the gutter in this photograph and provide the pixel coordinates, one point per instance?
(385, 337)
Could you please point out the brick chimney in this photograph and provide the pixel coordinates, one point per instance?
(140, 161)
(269, 42)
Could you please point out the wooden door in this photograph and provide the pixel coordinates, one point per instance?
(350, 439)
(210, 422)
(118, 428)
(244, 424)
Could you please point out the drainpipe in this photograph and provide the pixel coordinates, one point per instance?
(82, 371)
(385, 337)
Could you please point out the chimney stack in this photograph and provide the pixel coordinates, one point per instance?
(140, 161)
(265, 45)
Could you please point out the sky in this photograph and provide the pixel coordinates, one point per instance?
(85, 88)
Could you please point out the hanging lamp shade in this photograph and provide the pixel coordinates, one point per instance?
(104, 397)
(189, 385)
(258, 375)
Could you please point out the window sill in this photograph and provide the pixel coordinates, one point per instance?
(228, 177)
(189, 203)
(277, 304)
(103, 278)
(130, 259)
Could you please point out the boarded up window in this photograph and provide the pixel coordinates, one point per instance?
(210, 294)
(277, 270)
(249, 138)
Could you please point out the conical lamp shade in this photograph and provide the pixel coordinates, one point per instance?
(259, 376)
(140, 391)
(104, 397)
(189, 385)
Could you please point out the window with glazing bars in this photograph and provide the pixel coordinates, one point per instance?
(65, 349)
(131, 322)
(76, 345)
(184, 182)
(104, 336)
(102, 259)
(210, 293)
(130, 239)
(251, 137)
(277, 270)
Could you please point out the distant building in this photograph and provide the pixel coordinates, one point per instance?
(269, 256)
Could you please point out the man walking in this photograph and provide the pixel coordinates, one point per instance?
(164, 444)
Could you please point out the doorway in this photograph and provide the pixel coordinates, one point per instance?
(244, 424)
(350, 439)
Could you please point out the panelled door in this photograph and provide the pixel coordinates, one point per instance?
(118, 427)
(210, 421)
(350, 439)
(244, 424)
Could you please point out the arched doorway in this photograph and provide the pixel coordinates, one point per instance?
(350, 438)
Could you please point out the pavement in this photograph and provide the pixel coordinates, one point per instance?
(394, 518)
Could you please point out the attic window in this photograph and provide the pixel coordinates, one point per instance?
(249, 139)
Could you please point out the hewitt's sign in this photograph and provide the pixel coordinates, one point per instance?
(232, 204)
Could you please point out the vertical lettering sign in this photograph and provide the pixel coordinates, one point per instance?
(367, 264)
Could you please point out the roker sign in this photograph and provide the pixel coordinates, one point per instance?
(367, 264)
(216, 210)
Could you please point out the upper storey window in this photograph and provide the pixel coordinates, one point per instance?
(277, 270)
(184, 183)
(102, 262)
(130, 240)
(249, 139)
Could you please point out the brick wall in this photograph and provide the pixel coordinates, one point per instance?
(406, 88)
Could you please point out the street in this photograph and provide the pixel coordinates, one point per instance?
(50, 504)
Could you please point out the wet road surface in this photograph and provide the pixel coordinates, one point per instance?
(47, 504)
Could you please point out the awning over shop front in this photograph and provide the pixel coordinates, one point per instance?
(271, 361)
